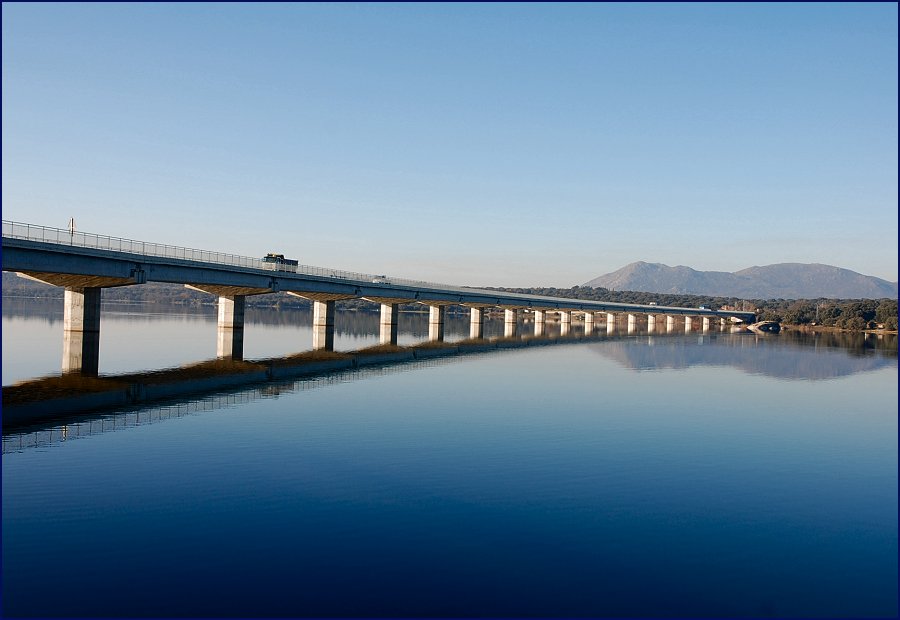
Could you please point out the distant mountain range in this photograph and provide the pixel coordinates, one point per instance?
(780, 281)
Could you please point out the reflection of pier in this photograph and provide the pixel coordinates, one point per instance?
(127, 400)
(105, 404)
(42, 435)
(38, 403)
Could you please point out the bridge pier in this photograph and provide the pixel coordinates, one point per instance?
(565, 322)
(388, 327)
(81, 331)
(688, 321)
(436, 323)
(476, 322)
(323, 325)
(230, 327)
(540, 322)
(610, 323)
(588, 323)
(510, 322)
(670, 323)
(651, 323)
(706, 323)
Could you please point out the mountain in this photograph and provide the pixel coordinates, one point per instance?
(779, 281)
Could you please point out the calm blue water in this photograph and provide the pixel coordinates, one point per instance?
(667, 476)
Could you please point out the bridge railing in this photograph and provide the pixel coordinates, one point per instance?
(47, 234)
(62, 236)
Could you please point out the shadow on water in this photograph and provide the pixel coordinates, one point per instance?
(47, 410)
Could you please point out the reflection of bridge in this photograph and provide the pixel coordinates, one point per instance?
(52, 409)
(34, 418)
(85, 264)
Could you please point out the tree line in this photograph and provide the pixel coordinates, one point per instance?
(850, 314)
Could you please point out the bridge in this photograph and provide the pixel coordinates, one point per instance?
(84, 264)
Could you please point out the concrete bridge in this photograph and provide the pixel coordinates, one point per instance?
(84, 264)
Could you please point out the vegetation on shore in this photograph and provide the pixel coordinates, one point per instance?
(849, 314)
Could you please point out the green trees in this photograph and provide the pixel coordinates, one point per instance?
(855, 314)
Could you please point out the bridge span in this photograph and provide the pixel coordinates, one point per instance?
(84, 264)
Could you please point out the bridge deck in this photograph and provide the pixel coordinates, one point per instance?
(33, 249)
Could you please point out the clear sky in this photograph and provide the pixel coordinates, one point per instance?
(479, 144)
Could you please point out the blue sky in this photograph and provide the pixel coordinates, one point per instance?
(479, 144)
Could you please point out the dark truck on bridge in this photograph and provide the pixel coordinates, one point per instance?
(277, 262)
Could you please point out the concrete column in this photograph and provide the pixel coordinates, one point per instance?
(588, 323)
(670, 323)
(389, 314)
(230, 329)
(687, 323)
(706, 323)
(632, 319)
(510, 319)
(436, 323)
(476, 322)
(540, 323)
(565, 317)
(722, 321)
(231, 310)
(610, 325)
(81, 331)
(323, 325)
(610, 318)
(651, 323)
(565, 328)
(82, 310)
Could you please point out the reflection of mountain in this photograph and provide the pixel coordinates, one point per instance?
(791, 355)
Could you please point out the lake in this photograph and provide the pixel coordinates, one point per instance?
(626, 474)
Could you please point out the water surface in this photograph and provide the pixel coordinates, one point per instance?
(638, 475)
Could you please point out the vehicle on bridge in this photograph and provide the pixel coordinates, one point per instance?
(277, 262)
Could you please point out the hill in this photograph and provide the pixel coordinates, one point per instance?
(779, 281)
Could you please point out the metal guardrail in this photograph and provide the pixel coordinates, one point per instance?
(61, 236)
